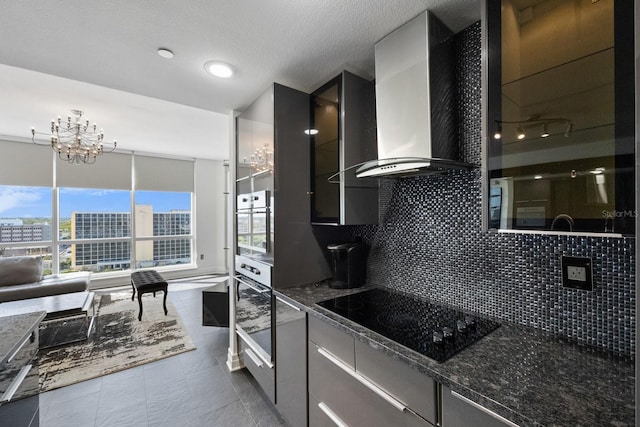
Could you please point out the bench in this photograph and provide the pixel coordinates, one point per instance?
(146, 281)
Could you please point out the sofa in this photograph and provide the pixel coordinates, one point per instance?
(21, 278)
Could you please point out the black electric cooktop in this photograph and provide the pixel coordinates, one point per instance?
(433, 330)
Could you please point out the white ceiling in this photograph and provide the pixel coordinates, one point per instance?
(99, 56)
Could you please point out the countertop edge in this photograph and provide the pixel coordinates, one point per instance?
(31, 320)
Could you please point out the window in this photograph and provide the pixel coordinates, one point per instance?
(92, 228)
(161, 216)
(25, 223)
(102, 216)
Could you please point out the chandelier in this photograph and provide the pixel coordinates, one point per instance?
(262, 159)
(74, 140)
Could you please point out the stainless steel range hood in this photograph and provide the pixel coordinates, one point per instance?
(415, 101)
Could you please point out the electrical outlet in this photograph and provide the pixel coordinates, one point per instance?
(577, 273)
(201, 256)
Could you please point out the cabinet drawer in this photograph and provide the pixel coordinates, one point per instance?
(335, 341)
(458, 411)
(263, 374)
(21, 413)
(409, 386)
(347, 398)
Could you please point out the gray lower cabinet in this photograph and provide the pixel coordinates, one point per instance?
(291, 362)
(343, 395)
(261, 371)
(416, 390)
(19, 394)
(458, 411)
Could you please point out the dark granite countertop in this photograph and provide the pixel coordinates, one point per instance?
(527, 376)
(15, 329)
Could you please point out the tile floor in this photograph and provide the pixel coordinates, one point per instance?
(191, 389)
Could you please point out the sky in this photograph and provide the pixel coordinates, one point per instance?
(35, 202)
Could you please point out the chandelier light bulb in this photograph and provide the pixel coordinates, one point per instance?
(520, 133)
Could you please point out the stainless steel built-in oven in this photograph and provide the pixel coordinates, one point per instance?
(254, 324)
(254, 225)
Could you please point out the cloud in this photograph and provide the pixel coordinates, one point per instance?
(90, 192)
(13, 197)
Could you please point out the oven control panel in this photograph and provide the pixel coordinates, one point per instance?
(256, 270)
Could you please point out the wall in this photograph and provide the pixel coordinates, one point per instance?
(210, 202)
(430, 243)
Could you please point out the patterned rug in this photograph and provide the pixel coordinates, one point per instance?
(119, 341)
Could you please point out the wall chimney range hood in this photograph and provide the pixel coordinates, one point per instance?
(415, 101)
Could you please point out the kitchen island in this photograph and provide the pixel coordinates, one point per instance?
(527, 376)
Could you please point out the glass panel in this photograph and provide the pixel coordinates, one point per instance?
(96, 257)
(42, 251)
(160, 213)
(94, 213)
(556, 151)
(259, 228)
(244, 230)
(25, 214)
(158, 253)
(326, 156)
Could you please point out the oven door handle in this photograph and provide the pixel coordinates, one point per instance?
(252, 286)
(256, 360)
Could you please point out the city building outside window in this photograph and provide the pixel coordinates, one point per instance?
(25, 223)
(163, 228)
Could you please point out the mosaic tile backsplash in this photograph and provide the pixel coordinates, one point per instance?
(429, 243)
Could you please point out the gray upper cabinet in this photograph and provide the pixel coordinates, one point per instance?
(343, 135)
(560, 119)
(273, 159)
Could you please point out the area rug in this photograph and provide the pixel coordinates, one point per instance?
(119, 341)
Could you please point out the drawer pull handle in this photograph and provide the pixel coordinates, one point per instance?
(26, 340)
(15, 384)
(255, 349)
(333, 417)
(483, 409)
(364, 381)
(287, 303)
(253, 357)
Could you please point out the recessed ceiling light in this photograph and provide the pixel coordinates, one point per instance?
(311, 131)
(165, 53)
(219, 69)
(537, 177)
